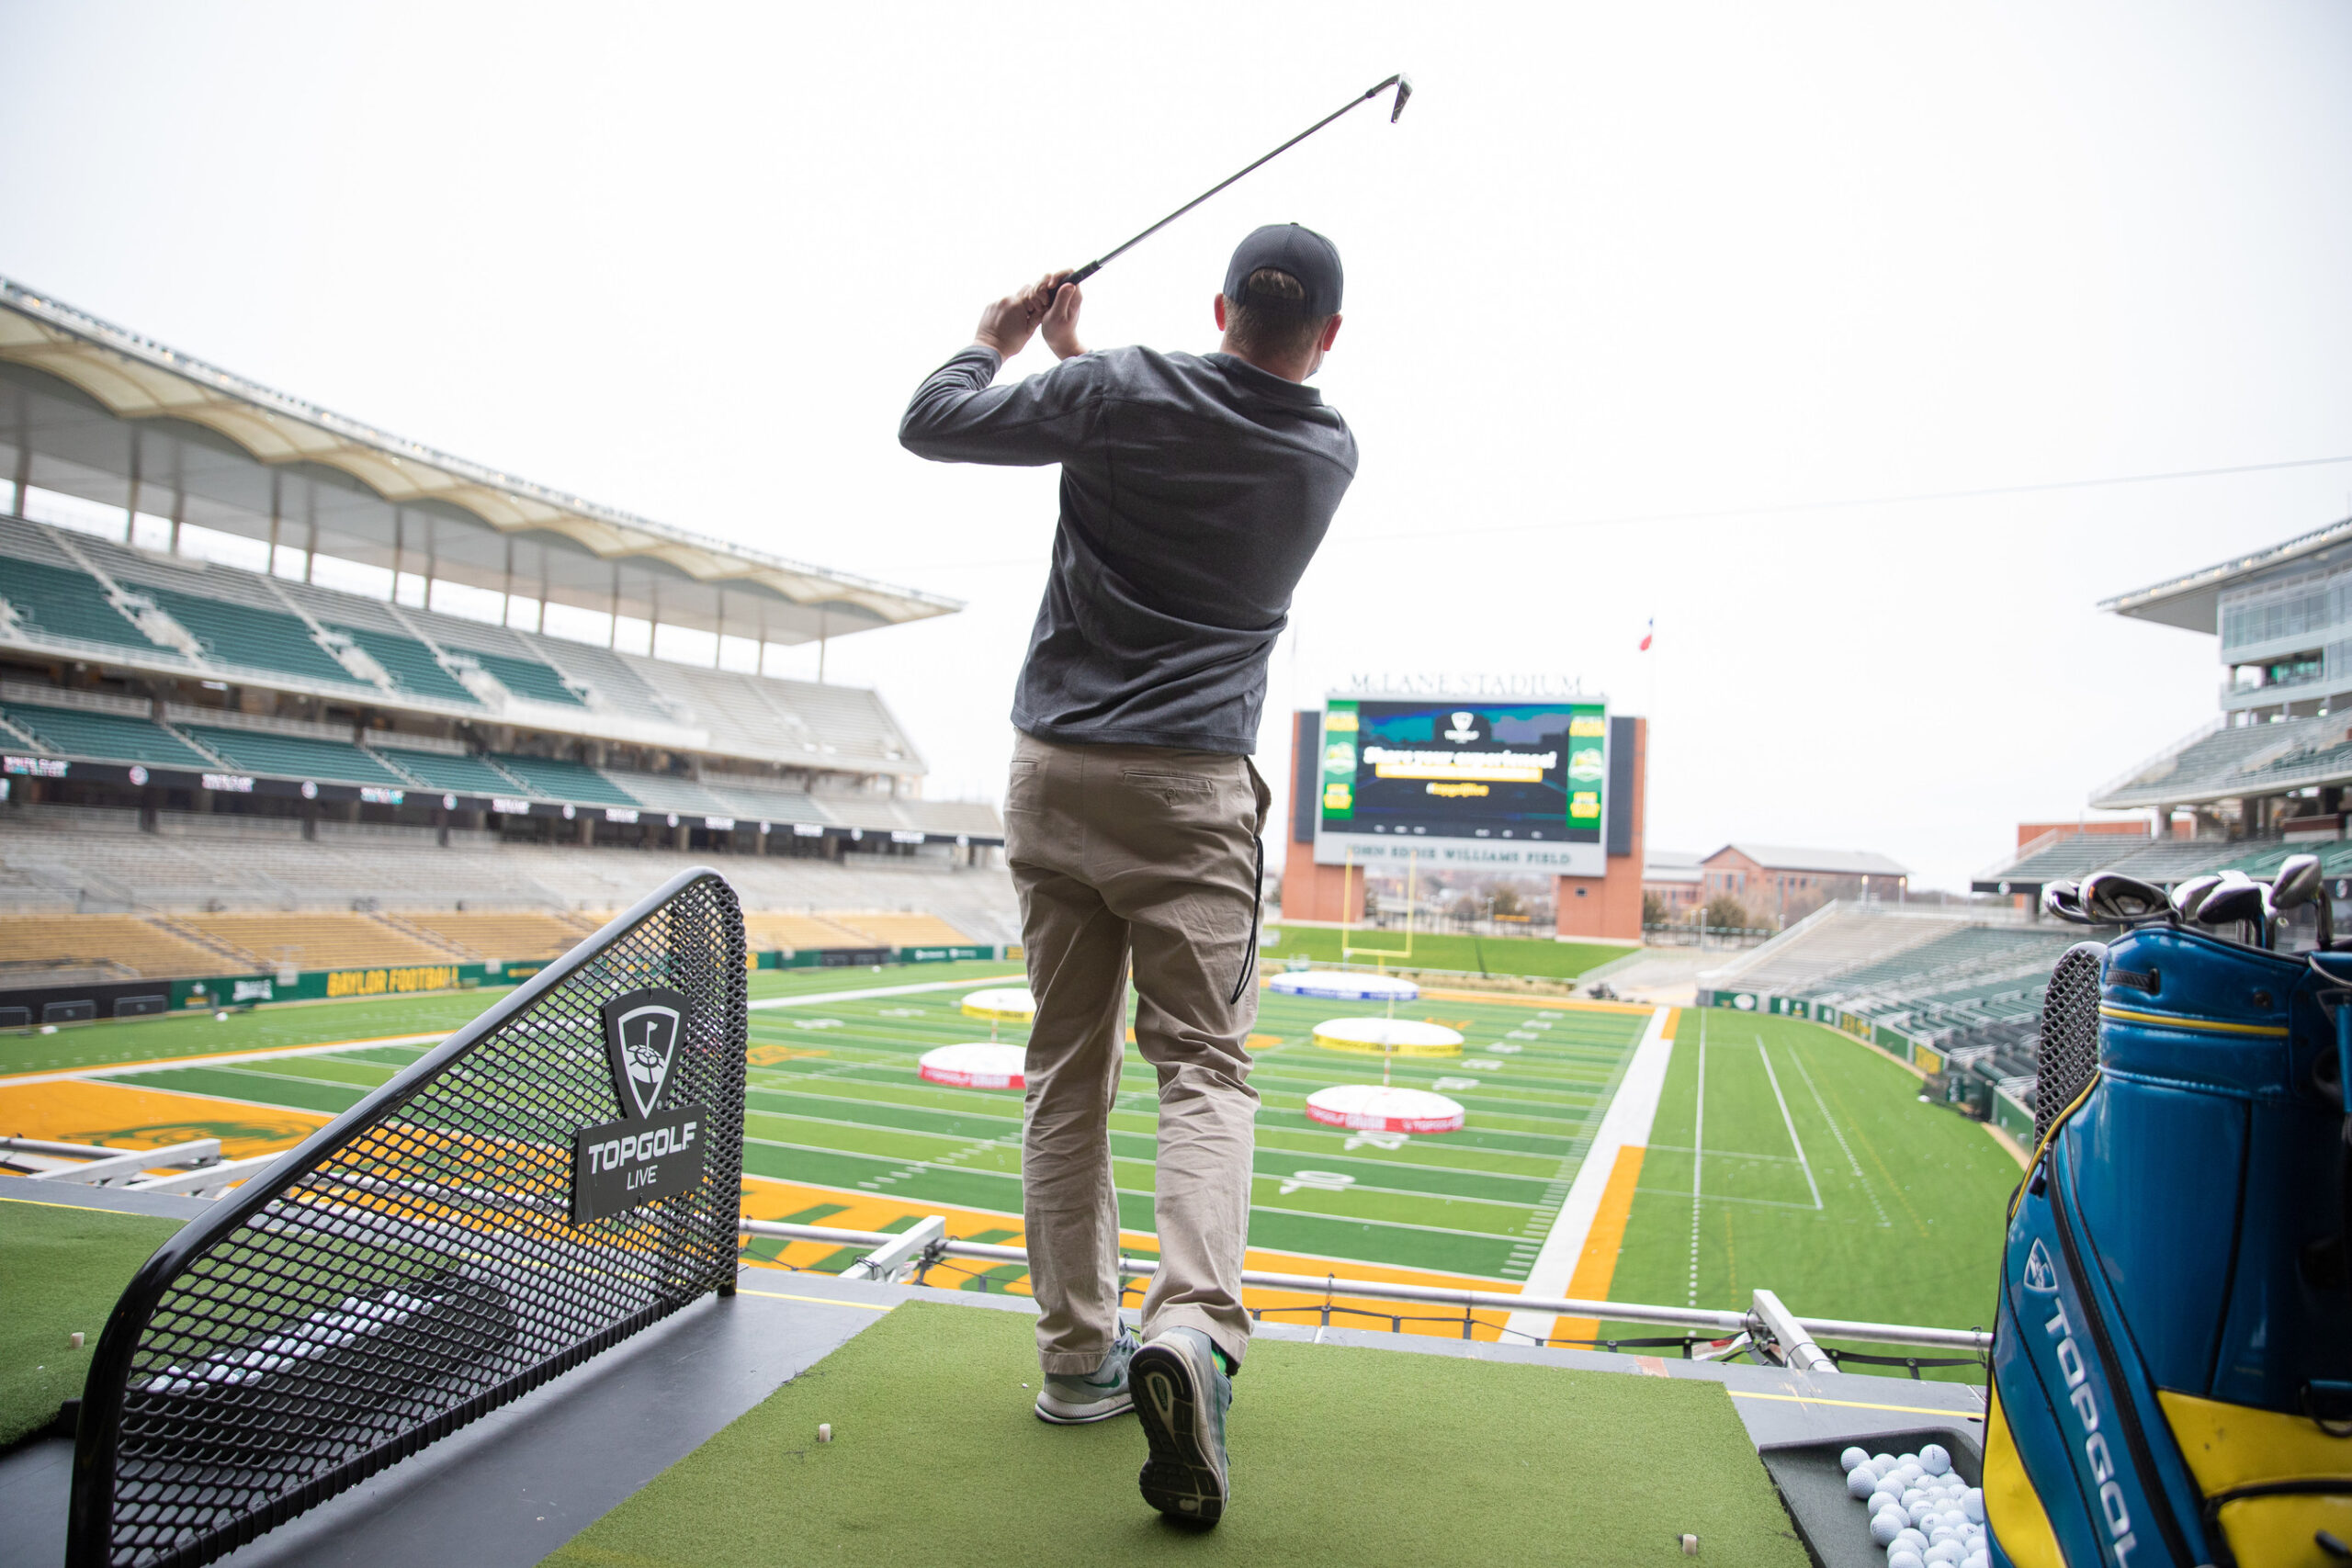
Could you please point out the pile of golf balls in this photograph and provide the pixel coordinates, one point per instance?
(1924, 1515)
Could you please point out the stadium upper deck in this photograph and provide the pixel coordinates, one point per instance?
(216, 596)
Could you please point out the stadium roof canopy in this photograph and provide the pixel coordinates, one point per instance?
(2192, 601)
(114, 418)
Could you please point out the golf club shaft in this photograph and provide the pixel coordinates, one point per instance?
(1091, 268)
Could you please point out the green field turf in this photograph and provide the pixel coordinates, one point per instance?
(61, 1270)
(1338, 1455)
(318, 1023)
(1461, 954)
(834, 1101)
(1824, 1179)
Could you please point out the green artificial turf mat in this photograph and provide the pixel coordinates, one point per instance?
(61, 1272)
(1340, 1455)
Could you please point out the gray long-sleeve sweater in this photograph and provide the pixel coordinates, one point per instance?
(1195, 489)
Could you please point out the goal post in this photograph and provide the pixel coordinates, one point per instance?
(558, 1174)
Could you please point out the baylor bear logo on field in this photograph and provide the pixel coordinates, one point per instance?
(642, 1032)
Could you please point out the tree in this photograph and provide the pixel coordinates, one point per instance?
(1726, 912)
(1653, 909)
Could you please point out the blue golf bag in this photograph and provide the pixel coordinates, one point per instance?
(2172, 1356)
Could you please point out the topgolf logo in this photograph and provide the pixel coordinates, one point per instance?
(1465, 728)
(642, 1033)
(2114, 1512)
(2041, 1275)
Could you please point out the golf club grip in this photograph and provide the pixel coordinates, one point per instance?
(1082, 273)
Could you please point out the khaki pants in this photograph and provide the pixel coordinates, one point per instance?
(1142, 853)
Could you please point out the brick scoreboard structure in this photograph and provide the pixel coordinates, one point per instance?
(1608, 906)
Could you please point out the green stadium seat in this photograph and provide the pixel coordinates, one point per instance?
(527, 678)
(411, 665)
(295, 756)
(67, 604)
(256, 639)
(458, 775)
(553, 778)
(107, 738)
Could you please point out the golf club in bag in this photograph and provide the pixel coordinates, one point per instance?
(2172, 1357)
(1402, 83)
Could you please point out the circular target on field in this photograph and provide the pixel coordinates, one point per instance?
(1333, 986)
(1011, 1004)
(979, 1064)
(1376, 1108)
(1378, 1036)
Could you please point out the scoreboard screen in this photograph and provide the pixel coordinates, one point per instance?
(1465, 782)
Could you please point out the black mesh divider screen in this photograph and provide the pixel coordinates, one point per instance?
(416, 1264)
(2068, 1051)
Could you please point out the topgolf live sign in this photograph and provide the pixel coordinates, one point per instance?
(1498, 785)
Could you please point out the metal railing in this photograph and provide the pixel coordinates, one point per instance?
(1766, 1321)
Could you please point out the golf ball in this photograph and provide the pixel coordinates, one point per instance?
(1862, 1482)
(1882, 1462)
(1901, 1556)
(1881, 1501)
(1850, 1458)
(1915, 1540)
(1886, 1527)
(1934, 1459)
(1973, 1505)
(1943, 1552)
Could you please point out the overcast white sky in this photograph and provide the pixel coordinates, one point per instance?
(1616, 263)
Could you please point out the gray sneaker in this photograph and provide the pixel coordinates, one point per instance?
(1182, 1396)
(1068, 1399)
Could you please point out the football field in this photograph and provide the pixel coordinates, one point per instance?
(1782, 1155)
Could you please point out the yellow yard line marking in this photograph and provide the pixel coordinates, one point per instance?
(820, 1301)
(1597, 1264)
(81, 1208)
(1855, 1405)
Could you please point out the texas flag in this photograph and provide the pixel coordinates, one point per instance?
(1648, 633)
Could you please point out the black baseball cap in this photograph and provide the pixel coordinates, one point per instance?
(1296, 249)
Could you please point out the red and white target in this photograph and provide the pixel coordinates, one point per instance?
(980, 1064)
(1377, 1108)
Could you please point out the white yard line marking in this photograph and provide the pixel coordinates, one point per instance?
(172, 1064)
(1625, 1124)
(1868, 1191)
(1698, 1152)
(820, 998)
(1788, 1121)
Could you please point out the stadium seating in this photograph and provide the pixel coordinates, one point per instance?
(495, 935)
(294, 756)
(556, 778)
(672, 792)
(59, 940)
(64, 602)
(252, 638)
(613, 682)
(900, 930)
(764, 930)
(411, 665)
(2066, 854)
(106, 737)
(453, 774)
(317, 940)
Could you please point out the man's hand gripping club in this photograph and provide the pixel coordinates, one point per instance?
(1051, 304)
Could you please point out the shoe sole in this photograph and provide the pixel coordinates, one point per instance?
(1086, 1415)
(1180, 1479)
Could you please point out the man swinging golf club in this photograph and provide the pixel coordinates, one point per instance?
(1194, 490)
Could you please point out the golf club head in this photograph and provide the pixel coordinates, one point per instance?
(2247, 901)
(2112, 898)
(1404, 91)
(2298, 882)
(2064, 900)
(2187, 895)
